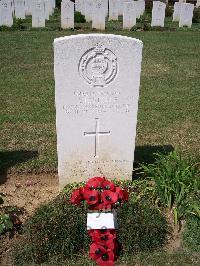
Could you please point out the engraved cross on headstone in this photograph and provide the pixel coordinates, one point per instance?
(96, 134)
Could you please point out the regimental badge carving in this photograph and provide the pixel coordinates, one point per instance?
(98, 66)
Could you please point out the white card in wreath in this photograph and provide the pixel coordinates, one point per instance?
(101, 220)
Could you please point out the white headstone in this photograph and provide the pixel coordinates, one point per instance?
(53, 3)
(182, 1)
(98, 15)
(138, 8)
(120, 7)
(141, 7)
(20, 9)
(38, 14)
(106, 7)
(113, 9)
(88, 10)
(158, 14)
(129, 15)
(177, 10)
(186, 15)
(67, 14)
(80, 6)
(6, 18)
(47, 8)
(97, 79)
(198, 3)
(28, 7)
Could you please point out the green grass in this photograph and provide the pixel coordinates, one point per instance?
(169, 94)
(179, 258)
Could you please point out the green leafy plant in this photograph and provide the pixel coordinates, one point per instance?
(5, 223)
(5, 219)
(176, 181)
(79, 18)
(169, 11)
(196, 15)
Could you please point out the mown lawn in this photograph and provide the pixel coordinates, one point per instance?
(169, 96)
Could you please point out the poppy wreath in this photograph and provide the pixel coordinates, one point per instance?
(102, 195)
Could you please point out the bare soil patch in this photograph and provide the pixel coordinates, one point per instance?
(25, 193)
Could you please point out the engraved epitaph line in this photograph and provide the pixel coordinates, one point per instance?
(96, 134)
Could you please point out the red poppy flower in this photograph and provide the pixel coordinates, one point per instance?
(76, 196)
(91, 196)
(100, 206)
(126, 195)
(122, 194)
(95, 183)
(108, 185)
(109, 198)
(106, 259)
(104, 239)
(96, 251)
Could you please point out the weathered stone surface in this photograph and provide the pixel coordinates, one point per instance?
(186, 15)
(98, 15)
(19, 9)
(177, 11)
(97, 79)
(129, 15)
(88, 10)
(38, 14)
(67, 14)
(114, 9)
(6, 18)
(158, 14)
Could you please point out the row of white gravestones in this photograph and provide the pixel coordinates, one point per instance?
(97, 10)
(97, 79)
(119, 7)
(183, 14)
(39, 9)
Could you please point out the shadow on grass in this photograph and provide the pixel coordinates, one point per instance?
(146, 155)
(10, 158)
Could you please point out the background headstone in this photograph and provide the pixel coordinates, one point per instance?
(98, 15)
(186, 15)
(129, 14)
(113, 9)
(177, 10)
(158, 14)
(97, 79)
(67, 14)
(38, 14)
(28, 7)
(20, 9)
(88, 10)
(6, 18)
